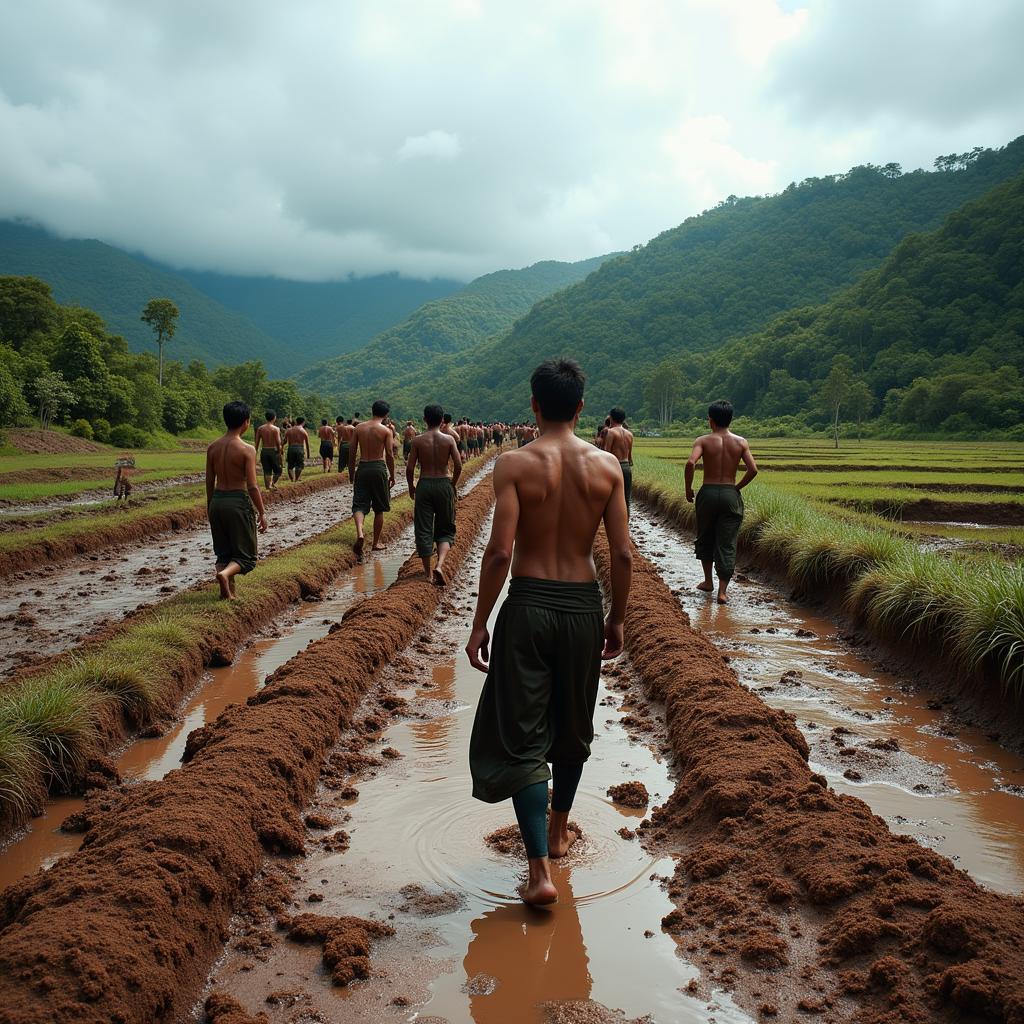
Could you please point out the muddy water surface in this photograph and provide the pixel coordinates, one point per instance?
(870, 734)
(467, 951)
(52, 608)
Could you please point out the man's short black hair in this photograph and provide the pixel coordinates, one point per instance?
(720, 412)
(380, 408)
(271, 415)
(433, 414)
(348, 423)
(299, 420)
(618, 414)
(558, 384)
(323, 423)
(235, 414)
(339, 419)
(447, 417)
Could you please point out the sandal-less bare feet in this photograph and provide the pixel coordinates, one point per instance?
(358, 548)
(706, 587)
(723, 600)
(538, 894)
(439, 578)
(559, 847)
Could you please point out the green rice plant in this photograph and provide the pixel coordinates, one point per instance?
(60, 718)
(128, 680)
(22, 789)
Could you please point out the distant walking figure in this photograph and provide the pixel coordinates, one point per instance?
(719, 506)
(618, 440)
(537, 704)
(373, 480)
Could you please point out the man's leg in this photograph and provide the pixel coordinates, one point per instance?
(531, 807)
(359, 517)
(225, 579)
(566, 779)
(442, 553)
(378, 529)
(727, 529)
(704, 547)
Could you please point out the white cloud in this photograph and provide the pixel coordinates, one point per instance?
(434, 145)
(315, 139)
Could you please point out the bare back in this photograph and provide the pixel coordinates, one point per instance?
(269, 436)
(346, 432)
(619, 441)
(722, 453)
(562, 487)
(373, 439)
(296, 435)
(231, 464)
(433, 451)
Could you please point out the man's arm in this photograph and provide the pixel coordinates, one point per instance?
(389, 456)
(253, 488)
(257, 440)
(211, 475)
(616, 528)
(410, 468)
(748, 461)
(453, 452)
(305, 439)
(629, 439)
(353, 449)
(496, 561)
(691, 465)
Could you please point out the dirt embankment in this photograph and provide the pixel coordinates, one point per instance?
(799, 898)
(50, 442)
(127, 928)
(107, 532)
(929, 510)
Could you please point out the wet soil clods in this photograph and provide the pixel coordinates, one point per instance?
(630, 794)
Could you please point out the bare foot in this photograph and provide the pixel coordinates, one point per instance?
(722, 599)
(358, 548)
(439, 578)
(706, 586)
(380, 547)
(541, 893)
(558, 846)
(225, 586)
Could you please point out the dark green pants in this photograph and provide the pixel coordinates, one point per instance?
(537, 704)
(434, 515)
(627, 479)
(233, 525)
(296, 456)
(270, 460)
(343, 457)
(371, 487)
(719, 509)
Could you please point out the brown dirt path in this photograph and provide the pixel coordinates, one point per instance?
(127, 928)
(800, 899)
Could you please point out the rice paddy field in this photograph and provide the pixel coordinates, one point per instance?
(945, 494)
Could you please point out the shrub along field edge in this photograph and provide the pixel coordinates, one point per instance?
(63, 540)
(970, 608)
(56, 722)
(167, 862)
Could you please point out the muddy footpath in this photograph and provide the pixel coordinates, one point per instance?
(53, 606)
(127, 927)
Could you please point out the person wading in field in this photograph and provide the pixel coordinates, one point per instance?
(326, 435)
(231, 493)
(537, 704)
(435, 494)
(719, 505)
(268, 445)
(408, 435)
(618, 440)
(346, 432)
(298, 448)
(375, 476)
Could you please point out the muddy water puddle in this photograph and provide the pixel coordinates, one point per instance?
(51, 608)
(42, 844)
(870, 734)
(467, 951)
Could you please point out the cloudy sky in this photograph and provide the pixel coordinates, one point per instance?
(319, 138)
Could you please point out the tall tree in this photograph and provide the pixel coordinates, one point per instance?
(860, 401)
(52, 394)
(663, 390)
(836, 389)
(162, 317)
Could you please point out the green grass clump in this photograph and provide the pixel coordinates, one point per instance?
(22, 789)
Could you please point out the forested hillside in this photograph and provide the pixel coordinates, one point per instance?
(715, 277)
(117, 286)
(932, 340)
(314, 320)
(484, 307)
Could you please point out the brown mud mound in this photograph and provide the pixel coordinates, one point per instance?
(126, 929)
(104, 530)
(630, 794)
(424, 903)
(585, 1012)
(224, 1009)
(779, 874)
(508, 841)
(50, 442)
(345, 942)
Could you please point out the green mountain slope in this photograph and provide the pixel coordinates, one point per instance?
(485, 306)
(936, 332)
(117, 286)
(316, 320)
(722, 274)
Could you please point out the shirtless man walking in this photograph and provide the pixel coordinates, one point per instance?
(345, 432)
(327, 437)
(375, 476)
(435, 495)
(231, 493)
(268, 437)
(407, 438)
(298, 448)
(719, 506)
(537, 703)
(619, 441)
